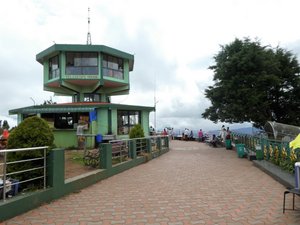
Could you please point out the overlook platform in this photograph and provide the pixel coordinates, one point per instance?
(191, 184)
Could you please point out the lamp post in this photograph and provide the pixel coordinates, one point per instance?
(155, 103)
(32, 100)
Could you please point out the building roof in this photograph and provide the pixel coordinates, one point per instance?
(56, 48)
(76, 107)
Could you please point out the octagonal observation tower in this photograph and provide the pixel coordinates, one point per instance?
(88, 73)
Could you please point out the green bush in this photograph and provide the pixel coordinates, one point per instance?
(136, 132)
(32, 132)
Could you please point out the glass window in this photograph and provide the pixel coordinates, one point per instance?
(75, 98)
(49, 117)
(65, 120)
(53, 67)
(81, 63)
(88, 97)
(112, 67)
(127, 120)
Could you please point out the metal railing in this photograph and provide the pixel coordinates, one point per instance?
(164, 142)
(158, 142)
(277, 152)
(5, 163)
(119, 150)
(141, 146)
(126, 149)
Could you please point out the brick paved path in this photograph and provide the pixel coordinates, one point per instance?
(191, 184)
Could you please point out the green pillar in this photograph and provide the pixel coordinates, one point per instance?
(167, 139)
(158, 142)
(105, 156)
(132, 149)
(148, 144)
(56, 168)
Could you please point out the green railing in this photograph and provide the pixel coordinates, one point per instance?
(57, 186)
(275, 151)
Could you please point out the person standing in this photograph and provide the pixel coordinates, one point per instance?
(227, 134)
(191, 137)
(200, 135)
(165, 132)
(172, 133)
(223, 133)
(186, 134)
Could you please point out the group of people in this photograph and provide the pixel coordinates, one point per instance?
(224, 133)
(188, 134)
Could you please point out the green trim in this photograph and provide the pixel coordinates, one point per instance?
(35, 109)
(56, 48)
(76, 107)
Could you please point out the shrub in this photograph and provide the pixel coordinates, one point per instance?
(32, 132)
(136, 132)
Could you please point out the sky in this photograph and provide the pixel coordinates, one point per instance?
(173, 42)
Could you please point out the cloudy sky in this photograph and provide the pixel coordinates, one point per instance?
(173, 42)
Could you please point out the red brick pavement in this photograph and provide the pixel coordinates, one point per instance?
(191, 184)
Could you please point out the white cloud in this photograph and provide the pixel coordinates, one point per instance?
(173, 42)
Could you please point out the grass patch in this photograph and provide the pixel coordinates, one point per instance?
(76, 157)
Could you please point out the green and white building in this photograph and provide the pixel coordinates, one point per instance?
(90, 74)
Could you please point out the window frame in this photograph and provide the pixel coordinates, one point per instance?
(91, 97)
(82, 63)
(53, 72)
(125, 121)
(65, 120)
(113, 66)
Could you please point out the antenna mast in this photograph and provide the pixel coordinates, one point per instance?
(88, 39)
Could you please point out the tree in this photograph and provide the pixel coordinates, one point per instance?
(254, 83)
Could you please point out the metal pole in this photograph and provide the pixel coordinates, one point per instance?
(45, 172)
(4, 176)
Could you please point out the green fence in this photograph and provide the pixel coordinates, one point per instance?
(58, 186)
(275, 151)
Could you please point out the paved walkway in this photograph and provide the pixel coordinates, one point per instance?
(191, 184)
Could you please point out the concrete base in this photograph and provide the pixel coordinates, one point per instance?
(283, 177)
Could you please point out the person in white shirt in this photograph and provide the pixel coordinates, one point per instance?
(222, 133)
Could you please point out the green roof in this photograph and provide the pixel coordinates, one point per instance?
(56, 48)
(75, 107)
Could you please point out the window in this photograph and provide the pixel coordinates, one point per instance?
(65, 120)
(49, 117)
(81, 63)
(88, 97)
(53, 67)
(113, 67)
(127, 120)
(75, 98)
